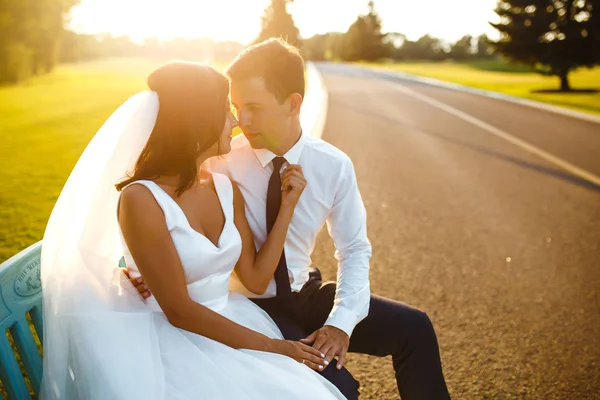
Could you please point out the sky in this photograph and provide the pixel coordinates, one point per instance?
(239, 20)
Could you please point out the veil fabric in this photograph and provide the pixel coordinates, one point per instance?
(91, 310)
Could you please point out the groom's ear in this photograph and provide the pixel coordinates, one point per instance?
(294, 101)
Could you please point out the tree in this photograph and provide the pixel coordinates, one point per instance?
(483, 50)
(553, 36)
(335, 46)
(425, 48)
(462, 49)
(278, 23)
(30, 35)
(79, 47)
(315, 48)
(393, 42)
(364, 40)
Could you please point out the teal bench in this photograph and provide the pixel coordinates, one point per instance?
(21, 318)
(20, 305)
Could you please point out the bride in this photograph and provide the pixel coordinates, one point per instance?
(185, 230)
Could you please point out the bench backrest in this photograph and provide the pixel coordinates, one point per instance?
(21, 323)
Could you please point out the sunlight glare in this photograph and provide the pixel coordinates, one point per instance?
(239, 20)
(139, 19)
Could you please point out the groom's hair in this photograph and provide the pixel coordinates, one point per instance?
(278, 63)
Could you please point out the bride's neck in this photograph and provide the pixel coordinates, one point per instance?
(174, 180)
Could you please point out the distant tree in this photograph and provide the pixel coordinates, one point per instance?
(554, 36)
(327, 46)
(335, 46)
(278, 23)
(483, 48)
(79, 47)
(315, 48)
(364, 39)
(30, 35)
(46, 33)
(425, 48)
(396, 39)
(353, 42)
(463, 48)
(393, 42)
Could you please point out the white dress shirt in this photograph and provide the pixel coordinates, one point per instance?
(331, 196)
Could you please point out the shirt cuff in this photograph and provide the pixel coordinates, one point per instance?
(343, 319)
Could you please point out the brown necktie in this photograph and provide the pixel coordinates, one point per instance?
(284, 292)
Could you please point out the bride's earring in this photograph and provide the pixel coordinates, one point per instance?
(197, 147)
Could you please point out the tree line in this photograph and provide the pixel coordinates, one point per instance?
(34, 39)
(553, 37)
(85, 47)
(30, 32)
(365, 41)
(396, 46)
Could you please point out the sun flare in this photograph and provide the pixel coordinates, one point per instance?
(239, 20)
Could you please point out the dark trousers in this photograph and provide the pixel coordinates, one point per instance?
(391, 329)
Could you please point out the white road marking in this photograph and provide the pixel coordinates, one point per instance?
(575, 170)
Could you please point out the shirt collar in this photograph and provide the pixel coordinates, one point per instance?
(291, 156)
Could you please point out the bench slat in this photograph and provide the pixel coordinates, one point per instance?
(10, 372)
(32, 360)
(37, 315)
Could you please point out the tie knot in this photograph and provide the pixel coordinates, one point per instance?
(278, 162)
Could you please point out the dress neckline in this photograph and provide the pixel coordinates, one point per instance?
(220, 199)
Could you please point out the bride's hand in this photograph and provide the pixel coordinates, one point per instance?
(292, 185)
(300, 352)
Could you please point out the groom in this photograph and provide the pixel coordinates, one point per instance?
(267, 88)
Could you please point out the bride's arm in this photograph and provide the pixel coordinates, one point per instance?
(255, 270)
(149, 241)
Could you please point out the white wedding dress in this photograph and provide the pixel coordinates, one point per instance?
(183, 365)
(102, 341)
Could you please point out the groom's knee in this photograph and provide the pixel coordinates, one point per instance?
(342, 379)
(420, 330)
(423, 326)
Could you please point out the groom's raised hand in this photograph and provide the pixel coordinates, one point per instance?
(331, 341)
(139, 284)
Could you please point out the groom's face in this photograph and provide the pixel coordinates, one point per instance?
(264, 120)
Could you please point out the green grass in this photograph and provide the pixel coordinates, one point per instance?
(45, 125)
(513, 80)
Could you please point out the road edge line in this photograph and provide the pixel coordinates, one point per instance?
(489, 93)
(580, 172)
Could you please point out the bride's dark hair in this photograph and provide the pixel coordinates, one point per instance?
(191, 118)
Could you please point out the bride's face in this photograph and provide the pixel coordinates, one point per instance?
(225, 139)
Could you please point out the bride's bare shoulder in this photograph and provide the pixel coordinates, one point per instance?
(135, 192)
(137, 201)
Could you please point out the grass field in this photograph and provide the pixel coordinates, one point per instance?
(45, 124)
(514, 80)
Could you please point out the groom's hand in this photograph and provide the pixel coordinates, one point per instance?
(139, 284)
(332, 342)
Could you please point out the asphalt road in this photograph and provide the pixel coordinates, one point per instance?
(500, 247)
